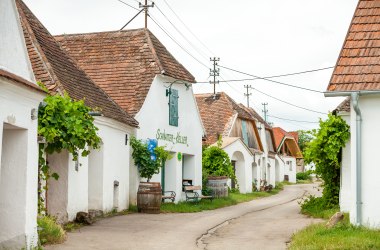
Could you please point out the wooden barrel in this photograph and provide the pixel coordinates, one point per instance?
(149, 197)
(218, 186)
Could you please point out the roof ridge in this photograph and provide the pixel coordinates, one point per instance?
(153, 50)
(98, 32)
(58, 86)
(46, 62)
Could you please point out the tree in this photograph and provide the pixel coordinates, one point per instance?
(325, 151)
(304, 137)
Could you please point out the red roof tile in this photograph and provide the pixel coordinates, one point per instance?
(280, 134)
(124, 63)
(54, 67)
(218, 114)
(358, 65)
(345, 106)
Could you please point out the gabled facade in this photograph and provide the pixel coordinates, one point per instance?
(357, 75)
(223, 117)
(101, 180)
(19, 100)
(288, 151)
(270, 167)
(141, 75)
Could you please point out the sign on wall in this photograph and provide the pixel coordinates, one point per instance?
(161, 135)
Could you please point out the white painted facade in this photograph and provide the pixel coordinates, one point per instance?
(18, 138)
(290, 168)
(370, 185)
(243, 159)
(345, 196)
(99, 181)
(153, 118)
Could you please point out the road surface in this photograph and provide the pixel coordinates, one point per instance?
(267, 223)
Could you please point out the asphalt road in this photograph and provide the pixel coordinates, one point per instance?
(266, 223)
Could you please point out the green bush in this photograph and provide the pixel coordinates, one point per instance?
(304, 175)
(318, 207)
(50, 232)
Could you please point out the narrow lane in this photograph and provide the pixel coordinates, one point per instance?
(266, 223)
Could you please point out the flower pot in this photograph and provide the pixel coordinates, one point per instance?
(218, 186)
(149, 197)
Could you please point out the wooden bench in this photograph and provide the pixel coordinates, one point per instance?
(168, 195)
(191, 195)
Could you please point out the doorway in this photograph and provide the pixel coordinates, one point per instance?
(233, 182)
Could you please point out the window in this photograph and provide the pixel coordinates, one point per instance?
(173, 108)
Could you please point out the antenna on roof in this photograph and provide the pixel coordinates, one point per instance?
(214, 72)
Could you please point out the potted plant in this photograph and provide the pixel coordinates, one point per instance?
(148, 158)
(216, 165)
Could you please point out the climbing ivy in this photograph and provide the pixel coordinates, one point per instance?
(65, 124)
(325, 151)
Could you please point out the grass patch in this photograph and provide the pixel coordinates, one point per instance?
(315, 207)
(232, 199)
(50, 231)
(304, 181)
(71, 226)
(342, 236)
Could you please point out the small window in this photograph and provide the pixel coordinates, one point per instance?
(173, 108)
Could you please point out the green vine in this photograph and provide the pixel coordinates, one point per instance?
(325, 151)
(65, 124)
(143, 160)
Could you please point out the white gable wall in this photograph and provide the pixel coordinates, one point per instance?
(369, 106)
(13, 54)
(154, 116)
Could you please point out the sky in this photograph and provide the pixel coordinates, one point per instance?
(261, 38)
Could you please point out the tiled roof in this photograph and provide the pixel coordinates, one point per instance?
(358, 65)
(19, 80)
(217, 115)
(294, 134)
(279, 135)
(345, 106)
(124, 63)
(255, 115)
(54, 67)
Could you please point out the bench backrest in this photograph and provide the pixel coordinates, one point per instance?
(192, 188)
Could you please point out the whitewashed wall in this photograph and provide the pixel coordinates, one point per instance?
(290, 168)
(345, 173)
(238, 152)
(154, 115)
(115, 160)
(19, 165)
(369, 106)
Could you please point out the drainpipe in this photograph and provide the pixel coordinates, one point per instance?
(355, 104)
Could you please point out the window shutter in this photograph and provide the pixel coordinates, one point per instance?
(173, 108)
(244, 132)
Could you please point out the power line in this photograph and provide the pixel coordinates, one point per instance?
(127, 4)
(167, 33)
(285, 119)
(296, 73)
(289, 103)
(262, 78)
(188, 29)
(183, 36)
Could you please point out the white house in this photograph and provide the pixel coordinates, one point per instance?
(270, 164)
(101, 180)
(357, 75)
(288, 152)
(141, 75)
(19, 100)
(222, 116)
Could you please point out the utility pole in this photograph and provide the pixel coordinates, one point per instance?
(247, 94)
(145, 6)
(265, 111)
(214, 72)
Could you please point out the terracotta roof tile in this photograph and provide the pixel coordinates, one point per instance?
(358, 65)
(291, 140)
(54, 67)
(218, 114)
(124, 63)
(345, 106)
